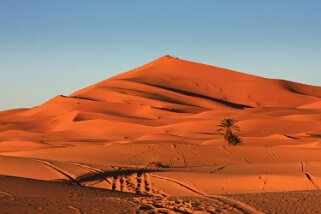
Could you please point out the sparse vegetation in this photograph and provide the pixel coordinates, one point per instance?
(156, 164)
(234, 139)
(227, 126)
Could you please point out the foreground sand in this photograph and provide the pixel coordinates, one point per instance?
(283, 202)
(20, 195)
(166, 111)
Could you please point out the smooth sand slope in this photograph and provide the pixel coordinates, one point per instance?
(167, 111)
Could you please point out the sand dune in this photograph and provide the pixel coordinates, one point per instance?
(167, 111)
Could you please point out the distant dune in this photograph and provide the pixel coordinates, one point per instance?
(167, 111)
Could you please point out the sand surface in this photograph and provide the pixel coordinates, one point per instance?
(283, 202)
(167, 111)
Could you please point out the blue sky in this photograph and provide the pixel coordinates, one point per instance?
(51, 47)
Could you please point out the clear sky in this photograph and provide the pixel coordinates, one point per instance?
(51, 47)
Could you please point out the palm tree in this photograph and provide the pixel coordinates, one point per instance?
(227, 126)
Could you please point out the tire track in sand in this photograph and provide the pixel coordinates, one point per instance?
(98, 172)
(180, 154)
(308, 175)
(232, 203)
(236, 155)
(60, 171)
(5, 194)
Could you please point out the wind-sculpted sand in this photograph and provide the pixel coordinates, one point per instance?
(93, 149)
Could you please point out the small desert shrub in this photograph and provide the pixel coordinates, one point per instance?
(156, 164)
(234, 139)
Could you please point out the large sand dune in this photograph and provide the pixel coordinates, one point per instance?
(167, 111)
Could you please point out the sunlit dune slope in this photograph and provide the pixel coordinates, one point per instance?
(171, 79)
(169, 100)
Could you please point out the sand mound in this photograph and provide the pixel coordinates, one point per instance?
(167, 112)
(167, 97)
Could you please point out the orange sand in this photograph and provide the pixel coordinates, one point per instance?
(167, 111)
